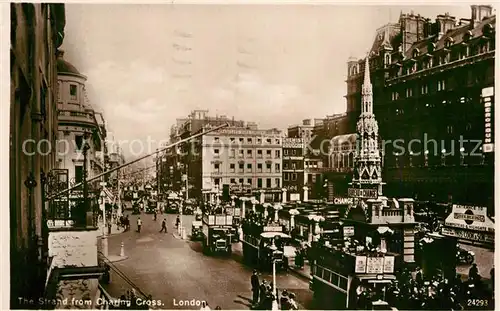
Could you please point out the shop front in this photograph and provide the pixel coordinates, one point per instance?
(470, 224)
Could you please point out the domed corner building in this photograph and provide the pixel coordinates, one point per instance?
(77, 122)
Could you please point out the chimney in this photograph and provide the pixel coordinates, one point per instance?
(445, 23)
(480, 12)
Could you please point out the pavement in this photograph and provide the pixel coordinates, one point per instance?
(176, 273)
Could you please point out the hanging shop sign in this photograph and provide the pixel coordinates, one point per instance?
(375, 265)
(483, 237)
(273, 229)
(473, 218)
(362, 193)
(348, 231)
(343, 201)
(487, 98)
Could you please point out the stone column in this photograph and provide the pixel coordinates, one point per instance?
(253, 205)
(265, 211)
(261, 196)
(317, 229)
(283, 198)
(292, 222)
(306, 193)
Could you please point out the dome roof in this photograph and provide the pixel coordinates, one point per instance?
(64, 66)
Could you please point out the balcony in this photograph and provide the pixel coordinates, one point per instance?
(72, 116)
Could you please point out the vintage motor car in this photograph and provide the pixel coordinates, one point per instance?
(196, 230)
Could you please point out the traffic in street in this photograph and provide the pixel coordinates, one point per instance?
(178, 275)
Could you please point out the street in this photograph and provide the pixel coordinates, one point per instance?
(484, 258)
(173, 270)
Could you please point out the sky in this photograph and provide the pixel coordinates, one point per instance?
(272, 64)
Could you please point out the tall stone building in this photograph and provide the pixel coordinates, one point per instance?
(433, 91)
(37, 30)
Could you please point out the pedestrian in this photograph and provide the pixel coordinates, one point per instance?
(473, 272)
(177, 221)
(292, 303)
(284, 300)
(254, 280)
(204, 306)
(164, 225)
(139, 224)
(154, 215)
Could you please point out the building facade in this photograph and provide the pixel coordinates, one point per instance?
(293, 168)
(246, 159)
(36, 31)
(433, 86)
(78, 122)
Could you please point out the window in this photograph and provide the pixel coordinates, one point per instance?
(268, 168)
(259, 154)
(259, 141)
(277, 154)
(232, 140)
(259, 168)
(249, 181)
(269, 141)
(259, 182)
(217, 181)
(249, 140)
(409, 92)
(233, 180)
(294, 166)
(241, 180)
(277, 140)
(277, 167)
(285, 152)
(232, 153)
(286, 177)
(294, 176)
(232, 167)
(241, 140)
(79, 142)
(285, 165)
(268, 153)
(216, 151)
(59, 90)
(217, 139)
(424, 89)
(73, 92)
(294, 152)
(277, 182)
(249, 167)
(268, 182)
(441, 85)
(241, 153)
(249, 153)
(79, 173)
(217, 167)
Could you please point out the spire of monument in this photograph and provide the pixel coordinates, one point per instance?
(367, 72)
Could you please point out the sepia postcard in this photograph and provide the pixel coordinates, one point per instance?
(294, 156)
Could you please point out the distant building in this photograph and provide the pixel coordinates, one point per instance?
(293, 168)
(247, 159)
(433, 81)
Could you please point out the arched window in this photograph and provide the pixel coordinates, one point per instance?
(449, 42)
(387, 59)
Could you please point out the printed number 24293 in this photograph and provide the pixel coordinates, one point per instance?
(477, 302)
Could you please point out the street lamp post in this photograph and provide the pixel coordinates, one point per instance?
(102, 200)
(86, 148)
(274, 250)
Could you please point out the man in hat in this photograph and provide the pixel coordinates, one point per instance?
(473, 272)
(254, 280)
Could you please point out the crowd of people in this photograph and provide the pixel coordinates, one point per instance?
(433, 292)
(263, 297)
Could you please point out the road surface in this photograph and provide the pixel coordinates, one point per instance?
(175, 271)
